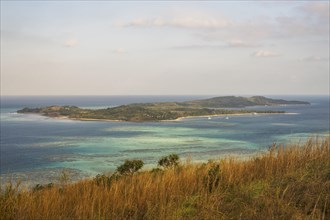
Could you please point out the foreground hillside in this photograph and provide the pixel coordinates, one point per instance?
(291, 182)
(164, 110)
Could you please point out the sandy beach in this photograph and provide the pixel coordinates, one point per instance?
(224, 115)
(174, 120)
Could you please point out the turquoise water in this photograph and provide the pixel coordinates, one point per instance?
(38, 148)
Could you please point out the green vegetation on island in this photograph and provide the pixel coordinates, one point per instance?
(287, 182)
(163, 110)
(240, 102)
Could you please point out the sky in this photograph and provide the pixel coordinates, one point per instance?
(164, 47)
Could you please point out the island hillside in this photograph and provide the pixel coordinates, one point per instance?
(159, 111)
(240, 102)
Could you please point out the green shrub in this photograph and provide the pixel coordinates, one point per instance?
(171, 160)
(130, 167)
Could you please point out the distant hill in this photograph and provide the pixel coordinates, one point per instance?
(260, 100)
(240, 102)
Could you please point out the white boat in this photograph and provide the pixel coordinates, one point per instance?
(227, 117)
(209, 118)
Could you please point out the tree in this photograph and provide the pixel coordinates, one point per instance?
(171, 160)
(130, 167)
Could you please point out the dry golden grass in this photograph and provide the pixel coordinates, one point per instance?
(291, 182)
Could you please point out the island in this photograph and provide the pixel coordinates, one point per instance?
(165, 111)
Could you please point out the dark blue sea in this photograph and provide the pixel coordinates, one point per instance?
(39, 149)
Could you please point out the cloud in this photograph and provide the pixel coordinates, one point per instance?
(119, 51)
(188, 22)
(200, 46)
(296, 26)
(314, 59)
(240, 43)
(265, 53)
(311, 19)
(319, 9)
(229, 44)
(305, 20)
(71, 43)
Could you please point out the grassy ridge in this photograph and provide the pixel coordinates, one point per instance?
(291, 182)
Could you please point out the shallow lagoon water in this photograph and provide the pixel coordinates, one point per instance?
(38, 148)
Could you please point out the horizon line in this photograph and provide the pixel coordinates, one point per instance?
(68, 95)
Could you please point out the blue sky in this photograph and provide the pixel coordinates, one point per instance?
(164, 48)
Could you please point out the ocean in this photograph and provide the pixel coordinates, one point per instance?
(38, 149)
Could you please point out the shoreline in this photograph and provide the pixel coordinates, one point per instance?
(172, 120)
(87, 119)
(237, 114)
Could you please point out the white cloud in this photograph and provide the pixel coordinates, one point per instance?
(314, 59)
(71, 43)
(305, 20)
(189, 22)
(119, 51)
(265, 53)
